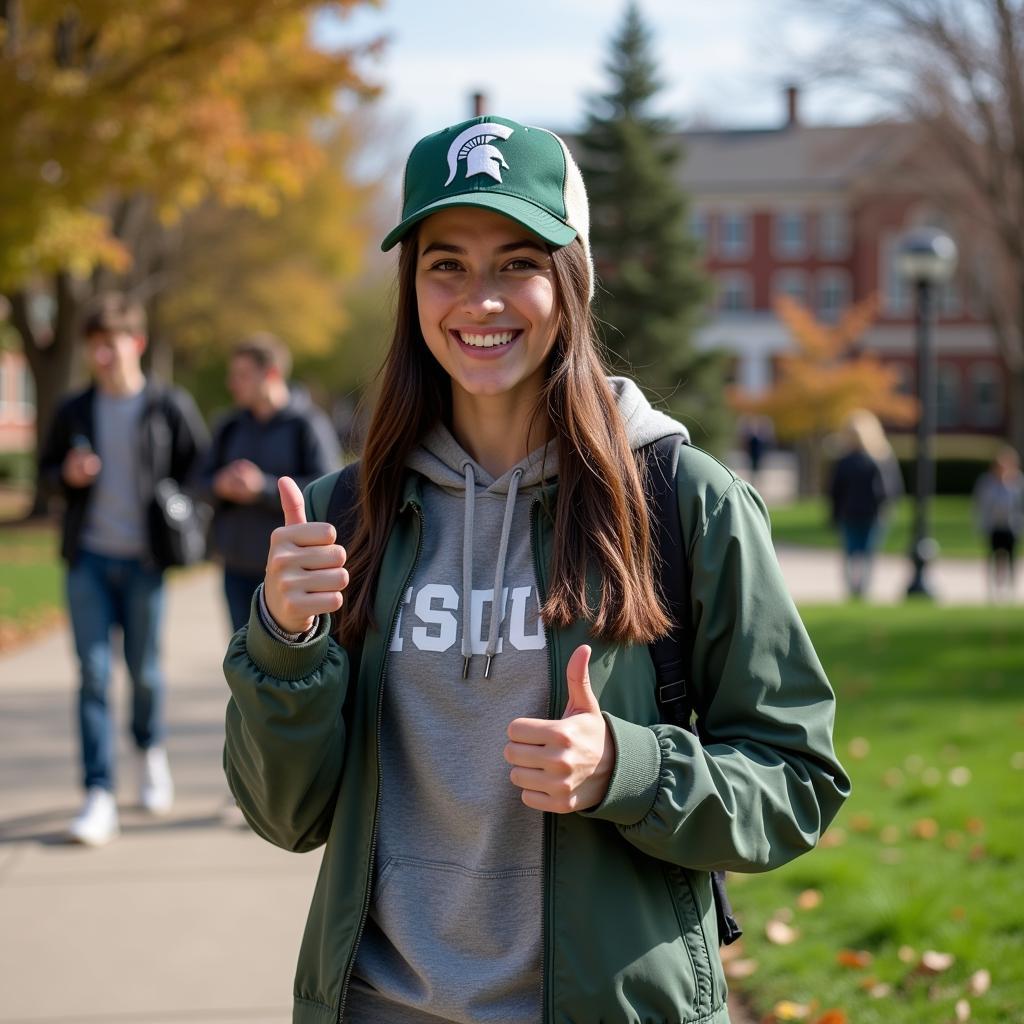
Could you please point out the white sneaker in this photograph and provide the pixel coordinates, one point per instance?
(156, 788)
(96, 823)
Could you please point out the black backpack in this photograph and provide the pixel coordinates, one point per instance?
(671, 653)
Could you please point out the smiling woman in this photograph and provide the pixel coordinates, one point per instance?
(515, 828)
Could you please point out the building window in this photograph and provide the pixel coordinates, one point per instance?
(734, 293)
(791, 233)
(833, 294)
(734, 235)
(699, 229)
(792, 283)
(896, 290)
(947, 397)
(986, 396)
(833, 234)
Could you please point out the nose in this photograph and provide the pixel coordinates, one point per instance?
(483, 296)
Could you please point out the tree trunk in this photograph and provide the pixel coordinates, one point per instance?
(51, 363)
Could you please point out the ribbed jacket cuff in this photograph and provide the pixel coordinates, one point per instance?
(282, 660)
(634, 784)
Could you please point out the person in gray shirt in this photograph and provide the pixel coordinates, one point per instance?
(273, 431)
(107, 450)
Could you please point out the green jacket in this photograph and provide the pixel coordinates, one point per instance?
(629, 921)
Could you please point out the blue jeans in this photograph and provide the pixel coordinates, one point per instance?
(104, 592)
(238, 589)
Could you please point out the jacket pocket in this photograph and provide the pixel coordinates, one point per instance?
(692, 914)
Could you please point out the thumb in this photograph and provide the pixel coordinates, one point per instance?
(292, 505)
(577, 675)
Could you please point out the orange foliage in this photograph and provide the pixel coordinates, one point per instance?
(825, 378)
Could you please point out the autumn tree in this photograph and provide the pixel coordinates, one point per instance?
(297, 273)
(824, 379)
(651, 290)
(955, 70)
(116, 117)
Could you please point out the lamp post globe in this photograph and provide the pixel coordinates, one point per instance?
(926, 258)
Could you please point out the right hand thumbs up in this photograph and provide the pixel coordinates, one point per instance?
(305, 568)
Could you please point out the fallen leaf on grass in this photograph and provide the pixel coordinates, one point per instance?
(780, 934)
(959, 776)
(859, 748)
(862, 822)
(809, 899)
(907, 954)
(832, 1017)
(893, 778)
(787, 1010)
(737, 970)
(890, 834)
(962, 1010)
(832, 838)
(980, 982)
(975, 826)
(934, 962)
(953, 840)
(925, 828)
(958, 913)
(977, 852)
(875, 988)
(854, 958)
(931, 777)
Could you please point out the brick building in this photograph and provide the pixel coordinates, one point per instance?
(817, 213)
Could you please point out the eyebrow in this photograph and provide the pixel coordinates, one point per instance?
(526, 243)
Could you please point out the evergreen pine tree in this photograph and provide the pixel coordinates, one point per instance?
(650, 290)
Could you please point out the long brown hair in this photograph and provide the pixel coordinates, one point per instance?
(604, 525)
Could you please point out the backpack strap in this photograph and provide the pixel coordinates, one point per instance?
(672, 653)
(343, 504)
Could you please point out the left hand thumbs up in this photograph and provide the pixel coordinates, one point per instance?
(565, 765)
(577, 677)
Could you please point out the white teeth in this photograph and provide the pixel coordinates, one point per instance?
(487, 340)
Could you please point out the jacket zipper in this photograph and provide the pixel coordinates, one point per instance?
(376, 806)
(549, 847)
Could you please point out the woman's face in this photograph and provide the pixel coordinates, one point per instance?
(487, 301)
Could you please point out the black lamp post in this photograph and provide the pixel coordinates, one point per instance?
(927, 258)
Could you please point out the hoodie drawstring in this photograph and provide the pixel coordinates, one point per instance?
(467, 568)
(497, 605)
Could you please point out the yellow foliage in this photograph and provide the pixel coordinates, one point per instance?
(178, 100)
(826, 379)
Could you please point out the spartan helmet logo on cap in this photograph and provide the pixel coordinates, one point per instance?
(473, 146)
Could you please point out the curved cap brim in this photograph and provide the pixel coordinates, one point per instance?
(531, 216)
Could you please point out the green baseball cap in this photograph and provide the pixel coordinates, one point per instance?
(523, 172)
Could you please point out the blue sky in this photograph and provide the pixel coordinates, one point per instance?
(723, 61)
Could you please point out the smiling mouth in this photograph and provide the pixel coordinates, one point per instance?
(496, 339)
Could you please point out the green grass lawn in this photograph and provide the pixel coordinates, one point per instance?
(32, 579)
(806, 523)
(927, 853)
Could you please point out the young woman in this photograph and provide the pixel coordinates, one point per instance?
(512, 834)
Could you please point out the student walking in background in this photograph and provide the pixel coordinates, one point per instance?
(513, 830)
(272, 432)
(865, 482)
(111, 450)
(999, 514)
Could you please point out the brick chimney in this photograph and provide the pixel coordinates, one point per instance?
(479, 101)
(792, 106)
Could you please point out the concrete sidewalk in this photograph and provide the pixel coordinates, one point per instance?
(184, 919)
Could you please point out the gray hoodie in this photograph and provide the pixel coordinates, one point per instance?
(454, 931)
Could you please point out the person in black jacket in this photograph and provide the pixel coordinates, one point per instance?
(108, 449)
(865, 481)
(272, 432)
